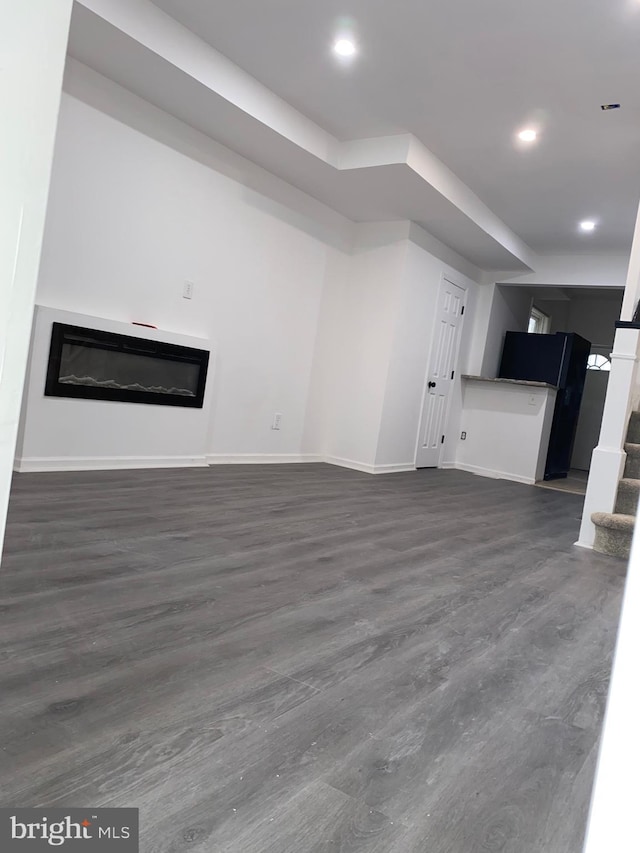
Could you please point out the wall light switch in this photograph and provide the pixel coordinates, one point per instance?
(187, 290)
(277, 420)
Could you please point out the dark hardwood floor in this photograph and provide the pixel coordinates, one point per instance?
(304, 659)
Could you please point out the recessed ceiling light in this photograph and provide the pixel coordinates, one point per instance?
(587, 225)
(344, 47)
(528, 135)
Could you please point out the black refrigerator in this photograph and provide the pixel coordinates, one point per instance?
(560, 360)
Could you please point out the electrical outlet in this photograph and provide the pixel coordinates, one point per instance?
(187, 290)
(277, 420)
(463, 436)
(532, 400)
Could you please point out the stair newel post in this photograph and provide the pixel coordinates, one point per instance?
(608, 458)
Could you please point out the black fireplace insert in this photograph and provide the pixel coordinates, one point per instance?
(96, 365)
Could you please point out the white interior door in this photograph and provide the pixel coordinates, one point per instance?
(442, 364)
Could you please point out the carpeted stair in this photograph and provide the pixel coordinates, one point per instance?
(615, 529)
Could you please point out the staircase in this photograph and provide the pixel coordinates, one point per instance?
(615, 529)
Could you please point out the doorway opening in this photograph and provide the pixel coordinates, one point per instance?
(590, 312)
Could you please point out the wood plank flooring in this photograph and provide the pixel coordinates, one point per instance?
(304, 659)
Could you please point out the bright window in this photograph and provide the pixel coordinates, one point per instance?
(539, 323)
(598, 362)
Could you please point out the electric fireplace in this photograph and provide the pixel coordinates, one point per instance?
(97, 365)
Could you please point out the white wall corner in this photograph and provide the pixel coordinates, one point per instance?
(421, 237)
(493, 473)
(353, 464)
(394, 468)
(371, 235)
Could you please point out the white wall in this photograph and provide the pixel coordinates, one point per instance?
(355, 338)
(33, 39)
(590, 418)
(326, 322)
(557, 310)
(592, 315)
(374, 341)
(478, 342)
(131, 218)
(595, 317)
(510, 309)
(413, 329)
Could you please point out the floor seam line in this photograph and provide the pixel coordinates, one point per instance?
(291, 678)
(363, 802)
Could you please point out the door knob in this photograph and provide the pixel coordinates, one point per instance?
(432, 384)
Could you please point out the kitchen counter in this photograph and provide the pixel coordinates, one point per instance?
(530, 382)
(506, 424)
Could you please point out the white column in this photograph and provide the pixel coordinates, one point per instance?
(632, 287)
(33, 42)
(613, 821)
(608, 458)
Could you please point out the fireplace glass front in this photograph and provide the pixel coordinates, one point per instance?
(98, 365)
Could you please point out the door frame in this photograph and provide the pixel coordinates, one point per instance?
(463, 285)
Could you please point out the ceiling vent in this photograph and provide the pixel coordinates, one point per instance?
(609, 106)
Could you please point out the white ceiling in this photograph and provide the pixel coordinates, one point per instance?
(462, 75)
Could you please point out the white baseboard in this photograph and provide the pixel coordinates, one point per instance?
(584, 545)
(366, 468)
(260, 458)
(349, 463)
(491, 473)
(81, 463)
(111, 463)
(392, 468)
